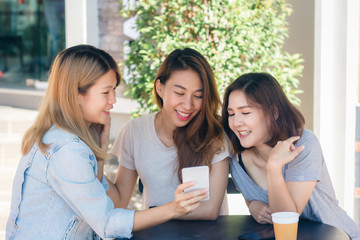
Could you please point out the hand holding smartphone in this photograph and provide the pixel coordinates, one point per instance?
(200, 175)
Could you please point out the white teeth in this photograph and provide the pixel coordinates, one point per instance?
(183, 114)
(244, 132)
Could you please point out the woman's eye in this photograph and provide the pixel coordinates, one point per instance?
(106, 92)
(231, 114)
(180, 94)
(246, 113)
(200, 97)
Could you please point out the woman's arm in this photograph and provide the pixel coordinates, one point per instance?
(286, 196)
(84, 194)
(182, 205)
(209, 210)
(121, 192)
(260, 211)
(122, 189)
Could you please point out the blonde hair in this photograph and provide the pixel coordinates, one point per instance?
(73, 72)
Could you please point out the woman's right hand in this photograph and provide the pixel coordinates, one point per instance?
(260, 212)
(187, 202)
(284, 152)
(183, 204)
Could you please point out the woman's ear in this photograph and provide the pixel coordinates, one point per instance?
(159, 87)
(275, 112)
(80, 99)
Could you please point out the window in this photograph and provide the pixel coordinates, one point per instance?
(32, 33)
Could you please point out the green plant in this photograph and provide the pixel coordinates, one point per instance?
(236, 36)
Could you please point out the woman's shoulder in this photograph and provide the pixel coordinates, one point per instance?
(225, 141)
(59, 138)
(308, 132)
(308, 137)
(223, 148)
(144, 119)
(58, 135)
(135, 128)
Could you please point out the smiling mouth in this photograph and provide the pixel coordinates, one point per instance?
(244, 133)
(183, 116)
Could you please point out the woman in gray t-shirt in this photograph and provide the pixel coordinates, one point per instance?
(278, 165)
(185, 132)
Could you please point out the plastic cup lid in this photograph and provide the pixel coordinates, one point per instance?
(285, 217)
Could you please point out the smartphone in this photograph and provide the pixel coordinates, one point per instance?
(263, 234)
(200, 175)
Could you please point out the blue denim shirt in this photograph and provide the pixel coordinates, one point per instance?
(56, 195)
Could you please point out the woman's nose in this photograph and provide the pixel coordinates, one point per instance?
(112, 97)
(238, 121)
(187, 104)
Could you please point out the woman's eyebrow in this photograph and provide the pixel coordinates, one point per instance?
(179, 86)
(108, 87)
(184, 88)
(240, 107)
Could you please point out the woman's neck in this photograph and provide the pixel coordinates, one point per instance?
(164, 130)
(262, 152)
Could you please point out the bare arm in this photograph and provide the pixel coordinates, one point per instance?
(286, 196)
(260, 211)
(183, 204)
(121, 192)
(209, 210)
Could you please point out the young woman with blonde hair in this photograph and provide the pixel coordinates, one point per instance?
(59, 192)
(185, 132)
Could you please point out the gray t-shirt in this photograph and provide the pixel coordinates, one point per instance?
(139, 148)
(308, 166)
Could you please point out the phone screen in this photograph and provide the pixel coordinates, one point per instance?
(264, 234)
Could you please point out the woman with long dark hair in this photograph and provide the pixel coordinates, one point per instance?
(185, 132)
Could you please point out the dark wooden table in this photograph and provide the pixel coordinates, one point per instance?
(230, 227)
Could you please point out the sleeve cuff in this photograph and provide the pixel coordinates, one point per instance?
(120, 224)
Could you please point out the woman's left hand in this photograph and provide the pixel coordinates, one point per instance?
(284, 152)
(260, 212)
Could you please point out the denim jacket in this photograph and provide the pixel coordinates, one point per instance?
(56, 195)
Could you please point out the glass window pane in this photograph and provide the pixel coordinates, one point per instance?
(32, 33)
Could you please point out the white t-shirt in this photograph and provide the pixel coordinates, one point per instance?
(139, 148)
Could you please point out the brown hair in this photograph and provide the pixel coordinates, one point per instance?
(201, 139)
(73, 72)
(263, 90)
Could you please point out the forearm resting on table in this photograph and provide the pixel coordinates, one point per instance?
(152, 217)
(204, 212)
